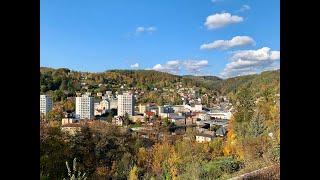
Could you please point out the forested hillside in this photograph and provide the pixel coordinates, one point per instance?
(63, 82)
(267, 79)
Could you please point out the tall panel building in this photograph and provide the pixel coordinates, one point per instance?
(125, 104)
(45, 104)
(85, 106)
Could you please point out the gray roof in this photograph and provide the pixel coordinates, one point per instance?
(221, 131)
(177, 117)
(204, 135)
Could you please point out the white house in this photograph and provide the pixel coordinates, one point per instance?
(193, 107)
(203, 137)
(221, 115)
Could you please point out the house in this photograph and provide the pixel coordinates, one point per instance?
(221, 131)
(178, 108)
(203, 137)
(142, 108)
(71, 128)
(221, 115)
(149, 114)
(118, 120)
(193, 107)
(67, 120)
(178, 120)
(136, 118)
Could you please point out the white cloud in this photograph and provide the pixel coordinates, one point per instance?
(251, 61)
(136, 65)
(145, 29)
(244, 8)
(195, 66)
(221, 20)
(170, 67)
(263, 54)
(238, 41)
(174, 67)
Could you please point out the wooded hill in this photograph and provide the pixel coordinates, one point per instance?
(68, 82)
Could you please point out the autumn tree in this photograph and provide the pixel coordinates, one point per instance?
(126, 119)
(55, 115)
(110, 116)
(134, 172)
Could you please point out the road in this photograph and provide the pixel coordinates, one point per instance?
(250, 173)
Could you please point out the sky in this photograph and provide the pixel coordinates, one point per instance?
(224, 38)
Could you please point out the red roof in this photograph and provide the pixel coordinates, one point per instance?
(149, 113)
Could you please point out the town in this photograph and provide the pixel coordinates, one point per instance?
(206, 123)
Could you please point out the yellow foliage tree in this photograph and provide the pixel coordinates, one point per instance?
(133, 175)
(173, 163)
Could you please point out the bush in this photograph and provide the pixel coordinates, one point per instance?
(219, 166)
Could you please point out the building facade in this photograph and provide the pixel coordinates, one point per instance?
(102, 107)
(85, 107)
(125, 104)
(45, 104)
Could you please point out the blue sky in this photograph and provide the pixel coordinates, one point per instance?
(225, 38)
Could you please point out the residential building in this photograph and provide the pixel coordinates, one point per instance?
(85, 106)
(205, 136)
(220, 115)
(118, 120)
(193, 107)
(113, 103)
(125, 104)
(45, 104)
(178, 108)
(71, 128)
(221, 131)
(165, 109)
(178, 120)
(136, 118)
(142, 108)
(102, 107)
(67, 120)
(148, 114)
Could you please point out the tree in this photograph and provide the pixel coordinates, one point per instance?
(154, 117)
(72, 175)
(69, 106)
(257, 126)
(55, 115)
(84, 148)
(124, 166)
(166, 122)
(54, 151)
(214, 169)
(133, 175)
(110, 116)
(138, 123)
(245, 105)
(126, 119)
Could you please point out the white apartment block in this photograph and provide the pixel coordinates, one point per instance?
(85, 106)
(125, 104)
(45, 104)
